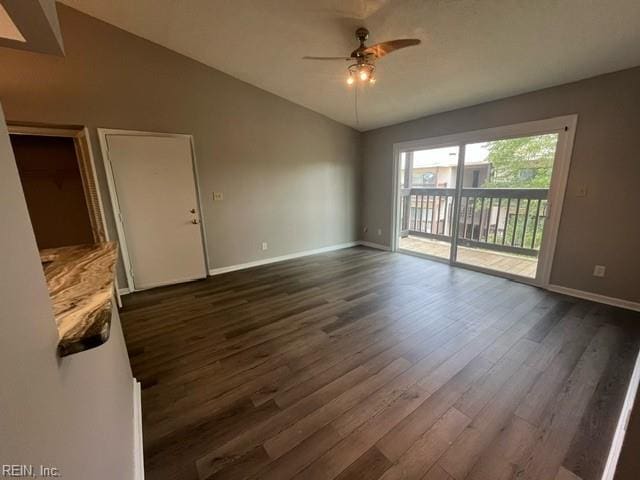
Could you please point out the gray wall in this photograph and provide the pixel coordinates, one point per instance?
(603, 227)
(74, 413)
(292, 177)
(289, 176)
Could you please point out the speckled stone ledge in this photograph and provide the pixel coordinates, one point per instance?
(80, 280)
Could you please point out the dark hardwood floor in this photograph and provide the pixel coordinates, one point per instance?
(361, 364)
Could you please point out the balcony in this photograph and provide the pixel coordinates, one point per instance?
(498, 228)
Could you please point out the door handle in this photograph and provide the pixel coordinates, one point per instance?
(193, 210)
(195, 221)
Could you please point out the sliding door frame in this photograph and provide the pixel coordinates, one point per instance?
(564, 126)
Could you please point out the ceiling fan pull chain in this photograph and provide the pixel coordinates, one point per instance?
(356, 106)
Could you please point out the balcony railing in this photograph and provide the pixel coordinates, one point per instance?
(502, 219)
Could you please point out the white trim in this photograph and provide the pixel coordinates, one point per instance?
(623, 423)
(395, 199)
(595, 297)
(87, 138)
(102, 137)
(175, 281)
(557, 191)
(104, 147)
(537, 127)
(80, 134)
(196, 178)
(123, 291)
(138, 452)
(281, 258)
(377, 246)
(565, 126)
(43, 131)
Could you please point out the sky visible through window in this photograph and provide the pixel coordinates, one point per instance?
(448, 156)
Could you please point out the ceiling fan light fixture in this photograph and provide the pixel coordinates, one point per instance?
(365, 56)
(362, 71)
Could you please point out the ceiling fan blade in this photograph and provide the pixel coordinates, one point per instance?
(328, 58)
(381, 49)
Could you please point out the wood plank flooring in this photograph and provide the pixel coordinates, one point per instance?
(362, 364)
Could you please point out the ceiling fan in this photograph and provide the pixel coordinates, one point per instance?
(364, 57)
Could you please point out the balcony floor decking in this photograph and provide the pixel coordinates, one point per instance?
(501, 262)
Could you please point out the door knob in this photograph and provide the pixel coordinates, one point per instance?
(193, 210)
(195, 222)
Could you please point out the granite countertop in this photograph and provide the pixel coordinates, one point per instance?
(80, 280)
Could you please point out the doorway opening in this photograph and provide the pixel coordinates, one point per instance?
(59, 184)
(488, 200)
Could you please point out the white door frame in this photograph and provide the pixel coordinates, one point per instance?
(564, 126)
(84, 153)
(126, 259)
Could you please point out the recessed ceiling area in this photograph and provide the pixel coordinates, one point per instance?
(472, 51)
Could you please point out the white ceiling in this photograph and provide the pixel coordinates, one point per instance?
(473, 50)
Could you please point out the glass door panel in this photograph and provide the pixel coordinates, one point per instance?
(427, 195)
(503, 203)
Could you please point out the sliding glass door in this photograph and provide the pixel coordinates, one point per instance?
(483, 199)
(504, 203)
(428, 190)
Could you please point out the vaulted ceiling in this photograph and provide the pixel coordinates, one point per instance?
(473, 50)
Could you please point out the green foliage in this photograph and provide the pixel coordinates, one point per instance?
(526, 241)
(521, 162)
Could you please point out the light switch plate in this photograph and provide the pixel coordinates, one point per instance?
(599, 270)
(217, 196)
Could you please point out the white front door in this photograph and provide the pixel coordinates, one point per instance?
(156, 194)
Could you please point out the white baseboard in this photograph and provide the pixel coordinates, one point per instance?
(377, 246)
(281, 258)
(595, 297)
(138, 453)
(623, 423)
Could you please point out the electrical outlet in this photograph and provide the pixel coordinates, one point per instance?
(365, 229)
(379, 232)
(599, 270)
(218, 196)
(264, 246)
